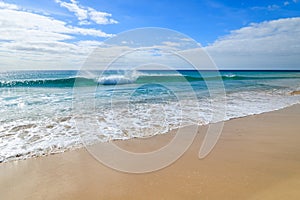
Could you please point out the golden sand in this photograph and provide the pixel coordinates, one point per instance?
(295, 93)
(257, 157)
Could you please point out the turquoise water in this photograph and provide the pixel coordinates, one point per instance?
(37, 107)
(67, 78)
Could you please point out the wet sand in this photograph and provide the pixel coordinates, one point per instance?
(295, 93)
(256, 157)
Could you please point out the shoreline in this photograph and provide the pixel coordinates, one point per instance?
(256, 157)
(119, 141)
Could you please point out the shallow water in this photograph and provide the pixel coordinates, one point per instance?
(37, 114)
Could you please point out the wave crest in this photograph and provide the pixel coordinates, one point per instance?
(129, 78)
(116, 80)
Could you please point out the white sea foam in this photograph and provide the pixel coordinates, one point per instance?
(116, 80)
(22, 139)
(41, 121)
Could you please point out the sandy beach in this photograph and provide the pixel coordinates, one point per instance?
(257, 157)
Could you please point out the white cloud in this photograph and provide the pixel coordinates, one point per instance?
(4, 5)
(272, 7)
(16, 24)
(86, 14)
(270, 44)
(80, 13)
(101, 17)
(286, 3)
(171, 44)
(30, 40)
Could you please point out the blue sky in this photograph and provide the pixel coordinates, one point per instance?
(221, 27)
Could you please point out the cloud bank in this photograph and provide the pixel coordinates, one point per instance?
(267, 45)
(31, 40)
(34, 41)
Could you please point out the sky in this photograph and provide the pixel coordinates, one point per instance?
(61, 34)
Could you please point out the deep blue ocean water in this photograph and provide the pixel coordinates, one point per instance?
(37, 107)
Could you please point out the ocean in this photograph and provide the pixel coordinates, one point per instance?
(38, 108)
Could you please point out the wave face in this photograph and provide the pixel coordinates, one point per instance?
(64, 82)
(37, 114)
(123, 77)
